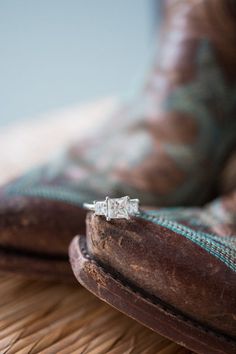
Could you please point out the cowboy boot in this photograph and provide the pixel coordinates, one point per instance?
(172, 269)
(167, 148)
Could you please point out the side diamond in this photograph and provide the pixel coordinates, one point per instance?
(133, 207)
(100, 208)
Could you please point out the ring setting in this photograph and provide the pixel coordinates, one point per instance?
(115, 208)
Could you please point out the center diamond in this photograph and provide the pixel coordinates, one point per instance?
(118, 208)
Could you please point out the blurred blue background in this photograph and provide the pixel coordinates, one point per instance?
(57, 53)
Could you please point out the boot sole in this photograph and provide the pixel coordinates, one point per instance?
(144, 308)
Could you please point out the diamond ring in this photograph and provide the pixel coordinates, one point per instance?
(115, 208)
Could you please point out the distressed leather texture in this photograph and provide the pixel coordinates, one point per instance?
(160, 252)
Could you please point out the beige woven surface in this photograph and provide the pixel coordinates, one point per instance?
(48, 318)
(42, 317)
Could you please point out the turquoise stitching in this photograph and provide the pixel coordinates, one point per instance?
(221, 249)
(53, 193)
(29, 185)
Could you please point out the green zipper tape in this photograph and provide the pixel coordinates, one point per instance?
(222, 248)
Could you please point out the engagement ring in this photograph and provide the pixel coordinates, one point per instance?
(115, 208)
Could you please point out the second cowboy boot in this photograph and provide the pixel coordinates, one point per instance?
(168, 148)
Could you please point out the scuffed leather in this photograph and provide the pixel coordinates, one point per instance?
(169, 266)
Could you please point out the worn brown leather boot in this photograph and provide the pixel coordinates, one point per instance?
(173, 270)
(168, 148)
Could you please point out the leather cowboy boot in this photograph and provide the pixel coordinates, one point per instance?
(168, 148)
(172, 269)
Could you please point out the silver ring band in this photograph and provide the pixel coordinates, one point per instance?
(89, 206)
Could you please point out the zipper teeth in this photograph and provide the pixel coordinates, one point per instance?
(209, 242)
